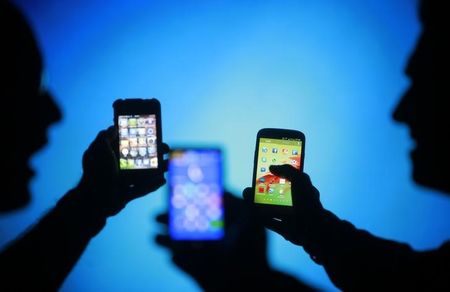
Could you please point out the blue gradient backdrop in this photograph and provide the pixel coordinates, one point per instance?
(222, 70)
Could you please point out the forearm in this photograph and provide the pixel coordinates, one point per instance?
(44, 256)
(356, 260)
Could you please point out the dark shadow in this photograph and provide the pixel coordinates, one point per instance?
(354, 259)
(42, 257)
(237, 262)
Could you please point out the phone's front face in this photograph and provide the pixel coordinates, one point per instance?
(138, 141)
(196, 195)
(271, 189)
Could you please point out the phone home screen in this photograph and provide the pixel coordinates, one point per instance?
(196, 202)
(271, 189)
(137, 142)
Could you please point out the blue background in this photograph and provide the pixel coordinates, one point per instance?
(222, 70)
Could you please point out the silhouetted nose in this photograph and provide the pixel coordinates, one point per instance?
(51, 111)
(404, 108)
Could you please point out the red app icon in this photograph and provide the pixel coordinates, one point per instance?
(260, 189)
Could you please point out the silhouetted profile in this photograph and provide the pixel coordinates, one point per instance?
(354, 259)
(238, 262)
(41, 258)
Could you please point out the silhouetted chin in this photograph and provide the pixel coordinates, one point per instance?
(15, 202)
(428, 174)
(16, 194)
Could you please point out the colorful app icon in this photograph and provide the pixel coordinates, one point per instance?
(123, 122)
(261, 189)
(271, 190)
(264, 149)
(263, 159)
(132, 122)
(274, 150)
(154, 162)
(274, 160)
(133, 132)
(141, 131)
(285, 151)
(133, 152)
(141, 122)
(294, 152)
(133, 142)
(282, 181)
(263, 169)
(150, 131)
(294, 162)
(123, 132)
(125, 152)
(262, 179)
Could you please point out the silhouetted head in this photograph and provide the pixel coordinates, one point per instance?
(425, 106)
(27, 111)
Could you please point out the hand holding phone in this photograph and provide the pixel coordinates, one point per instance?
(139, 146)
(276, 147)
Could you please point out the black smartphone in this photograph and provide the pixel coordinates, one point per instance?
(138, 125)
(196, 204)
(276, 147)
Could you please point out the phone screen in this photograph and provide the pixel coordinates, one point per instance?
(138, 142)
(196, 194)
(271, 189)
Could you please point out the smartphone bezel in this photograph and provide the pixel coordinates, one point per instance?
(196, 242)
(275, 133)
(139, 106)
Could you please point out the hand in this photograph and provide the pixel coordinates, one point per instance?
(101, 179)
(306, 208)
(220, 265)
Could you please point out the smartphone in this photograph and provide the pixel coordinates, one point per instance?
(196, 205)
(138, 125)
(276, 147)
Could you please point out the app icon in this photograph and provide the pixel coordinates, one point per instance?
(271, 190)
(274, 150)
(263, 169)
(282, 181)
(285, 151)
(264, 149)
(141, 131)
(154, 162)
(262, 179)
(294, 162)
(133, 132)
(123, 122)
(133, 152)
(132, 122)
(264, 159)
(123, 132)
(274, 160)
(294, 152)
(260, 189)
(125, 151)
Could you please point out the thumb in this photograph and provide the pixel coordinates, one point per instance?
(285, 171)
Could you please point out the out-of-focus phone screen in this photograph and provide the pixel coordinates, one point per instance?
(196, 194)
(137, 142)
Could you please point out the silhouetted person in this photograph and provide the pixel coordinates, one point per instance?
(41, 258)
(354, 259)
(237, 262)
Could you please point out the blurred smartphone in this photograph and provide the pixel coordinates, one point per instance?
(196, 207)
(275, 147)
(138, 125)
